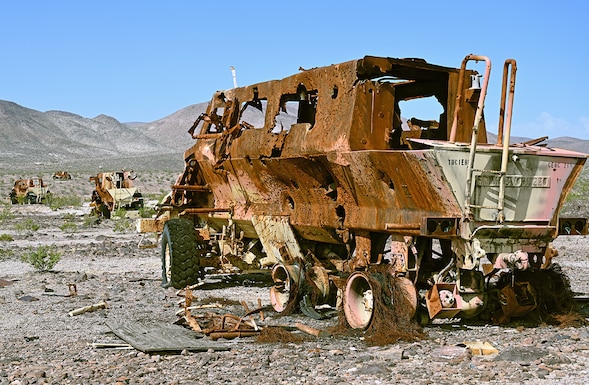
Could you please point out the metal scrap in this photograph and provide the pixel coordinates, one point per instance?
(89, 308)
(226, 326)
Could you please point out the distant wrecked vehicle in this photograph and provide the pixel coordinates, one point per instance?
(61, 175)
(113, 191)
(356, 201)
(32, 190)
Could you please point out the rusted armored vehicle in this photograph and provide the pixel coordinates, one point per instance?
(114, 190)
(61, 175)
(353, 199)
(32, 190)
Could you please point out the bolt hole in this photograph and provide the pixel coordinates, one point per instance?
(290, 203)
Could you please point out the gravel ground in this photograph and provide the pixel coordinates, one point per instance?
(42, 344)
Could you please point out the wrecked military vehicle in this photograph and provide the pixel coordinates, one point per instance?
(61, 175)
(357, 200)
(113, 191)
(32, 190)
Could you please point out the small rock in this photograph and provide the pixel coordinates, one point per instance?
(37, 373)
(156, 358)
(521, 355)
(394, 354)
(453, 354)
(28, 298)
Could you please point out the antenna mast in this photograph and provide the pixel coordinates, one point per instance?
(234, 76)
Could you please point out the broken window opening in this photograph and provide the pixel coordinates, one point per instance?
(287, 115)
(417, 117)
(207, 124)
(422, 116)
(253, 113)
(300, 107)
(211, 122)
(216, 124)
(307, 105)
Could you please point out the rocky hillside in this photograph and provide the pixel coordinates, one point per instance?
(172, 131)
(28, 135)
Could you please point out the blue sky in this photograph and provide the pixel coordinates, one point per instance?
(140, 61)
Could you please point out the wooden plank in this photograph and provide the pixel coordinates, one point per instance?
(150, 338)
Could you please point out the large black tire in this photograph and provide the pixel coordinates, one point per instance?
(31, 198)
(137, 204)
(180, 264)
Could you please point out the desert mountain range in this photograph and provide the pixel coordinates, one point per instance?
(54, 136)
(28, 135)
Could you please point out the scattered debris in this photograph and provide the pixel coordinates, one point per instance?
(312, 331)
(85, 309)
(229, 326)
(73, 289)
(110, 345)
(4, 283)
(163, 338)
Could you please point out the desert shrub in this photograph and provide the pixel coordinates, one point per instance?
(120, 213)
(90, 221)
(154, 196)
(5, 213)
(58, 202)
(580, 190)
(20, 200)
(6, 238)
(146, 212)
(123, 225)
(6, 254)
(43, 258)
(69, 217)
(27, 226)
(68, 227)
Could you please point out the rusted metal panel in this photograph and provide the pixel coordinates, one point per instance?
(535, 180)
(150, 225)
(151, 338)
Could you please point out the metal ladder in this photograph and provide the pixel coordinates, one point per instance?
(505, 114)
